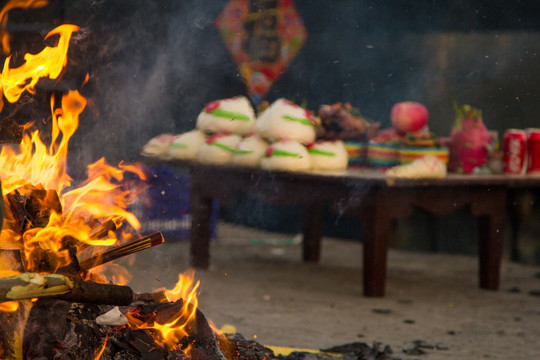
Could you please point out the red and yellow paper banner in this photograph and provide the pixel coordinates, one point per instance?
(263, 37)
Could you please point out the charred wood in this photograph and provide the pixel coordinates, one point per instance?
(76, 335)
(16, 203)
(39, 205)
(33, 210)
(101, 231)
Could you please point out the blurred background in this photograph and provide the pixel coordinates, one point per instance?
(153, 65)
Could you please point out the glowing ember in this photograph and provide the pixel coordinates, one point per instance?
(9, 306)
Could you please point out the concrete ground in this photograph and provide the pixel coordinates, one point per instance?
(258, 284)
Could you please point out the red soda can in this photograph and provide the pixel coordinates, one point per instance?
(515, 151)
(533, 151)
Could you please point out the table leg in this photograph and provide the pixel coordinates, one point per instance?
(376, 233)
(312, 231)
(490, 237)
(490, 249)
(201, 209)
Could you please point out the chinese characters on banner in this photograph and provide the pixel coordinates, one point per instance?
(263, 37)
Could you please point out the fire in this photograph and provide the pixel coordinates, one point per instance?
(9, 306)
(33, 162)
(176, 327)
(13, 4)
(34, 166)
(38, 171)
(48, 63)
(102, 349)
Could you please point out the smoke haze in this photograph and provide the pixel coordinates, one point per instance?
(154, 64)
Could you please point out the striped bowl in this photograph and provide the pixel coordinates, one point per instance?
(408, 154)
(356, 150)
(382, 155)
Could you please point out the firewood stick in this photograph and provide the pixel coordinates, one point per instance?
(17, 210)
(57, 286)
(99, 232)
(121, 251)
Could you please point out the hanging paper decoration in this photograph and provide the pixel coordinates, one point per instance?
(263, 37)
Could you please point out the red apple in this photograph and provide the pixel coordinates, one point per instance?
(408, 116)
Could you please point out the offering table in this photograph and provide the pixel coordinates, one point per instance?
(367, 194)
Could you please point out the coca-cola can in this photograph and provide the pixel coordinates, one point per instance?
(533, 151)
(515, 151)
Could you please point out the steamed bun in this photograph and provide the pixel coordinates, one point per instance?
(218, 149)
(234, 115)
(158, 146)
(328, 155)
(286, 155)
(285, 120)
(250, 151)
(186, 145)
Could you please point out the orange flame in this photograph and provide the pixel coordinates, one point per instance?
(9, 306)
(13, 4)
(34, 167)
(32, 164)
(115, 273)
(100, 196)
(48, 63)
(102, 349)
(176, 326)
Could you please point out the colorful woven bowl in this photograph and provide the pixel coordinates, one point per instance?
(382, 155)
(356, 150)
(408, 154)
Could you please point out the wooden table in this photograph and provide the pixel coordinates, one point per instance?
(367, 194)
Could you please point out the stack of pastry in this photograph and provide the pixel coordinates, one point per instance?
(292, 132)
(223, 134)
(282, 138)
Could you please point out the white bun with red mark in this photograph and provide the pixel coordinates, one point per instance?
(158, 146)
(250, 151)
(218, 149)
(328, 155)
(287, 155)
(185, 146)
(234, 115)
(285, 120)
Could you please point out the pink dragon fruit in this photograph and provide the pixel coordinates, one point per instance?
(470, 141)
